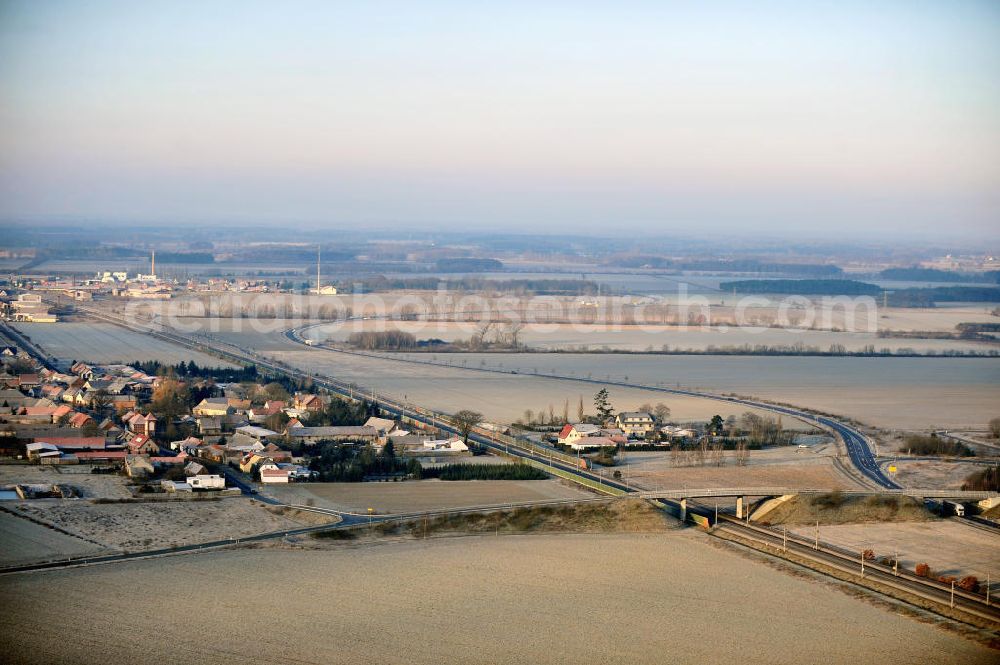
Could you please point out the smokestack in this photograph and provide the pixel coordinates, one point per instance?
(317, 269)
(152, 262)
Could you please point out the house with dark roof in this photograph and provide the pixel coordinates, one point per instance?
(345, 434)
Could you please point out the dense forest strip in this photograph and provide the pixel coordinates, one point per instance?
(825, 287)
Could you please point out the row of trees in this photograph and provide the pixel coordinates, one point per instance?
(510, 286)
(917, 444)
(344, 463)
(386, 340)
(986, 480)
(709, 451)
(192, 369)
(484, 472)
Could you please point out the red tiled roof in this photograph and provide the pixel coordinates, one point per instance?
(79, 420)
(38, 410)
(273, 472)
(101, 454)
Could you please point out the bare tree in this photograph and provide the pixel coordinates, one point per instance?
(465, 420)
(995, 428)
(514, 334)
(702, 450)
(565, 412)
(480, 337)
(580, 413)
(100, 400)
(661, 411)
(742, 454)
(718, 453)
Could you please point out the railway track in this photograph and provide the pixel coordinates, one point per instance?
(929, 590)
(854, 564)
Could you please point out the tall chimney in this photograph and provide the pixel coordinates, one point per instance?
(152, 263)
(317, 269)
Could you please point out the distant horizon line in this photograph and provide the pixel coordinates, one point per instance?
(455, 228)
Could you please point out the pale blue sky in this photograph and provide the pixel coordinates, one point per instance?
(658, 116)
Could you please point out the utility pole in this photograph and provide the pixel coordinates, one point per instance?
(953, 594)
(816, 547)
(862, 562)
(784, 539)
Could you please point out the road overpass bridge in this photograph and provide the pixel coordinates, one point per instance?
(742, 494)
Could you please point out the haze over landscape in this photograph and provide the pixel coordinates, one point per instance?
(879, 118)
(443, 332)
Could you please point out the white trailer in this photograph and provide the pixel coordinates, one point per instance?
(207, 482)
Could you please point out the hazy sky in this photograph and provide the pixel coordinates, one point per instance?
(619, 116)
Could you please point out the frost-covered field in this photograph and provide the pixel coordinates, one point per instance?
(107, 343)
(648, 598)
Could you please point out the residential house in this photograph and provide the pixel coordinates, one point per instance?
(239, 404)
(635, 424)
(140, 423)
(213, 406)
(593, 443)
(82, 370)
(109, 427)
(677, 432)
(572, 433)
(186, 445)
(28, 381)
(80, 420)
(382, 425)
(277, 454)
(210, 425)
(122, 403)
(62, 411)
(450, 446)
(272, 473)
(352, 434)
(251, 461)
(142, 445)
(257, 433)
(308, 403)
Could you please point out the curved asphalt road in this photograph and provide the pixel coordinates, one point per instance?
(858, 446)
